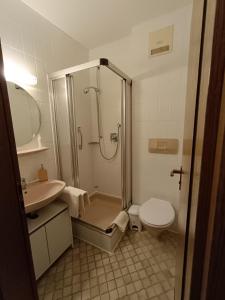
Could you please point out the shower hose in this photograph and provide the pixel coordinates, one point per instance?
(117, 145)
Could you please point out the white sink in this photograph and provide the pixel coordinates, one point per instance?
(41, 193)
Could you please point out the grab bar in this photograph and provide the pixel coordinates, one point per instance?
(80, 145)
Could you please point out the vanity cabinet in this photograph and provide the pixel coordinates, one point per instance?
(58, 233)
(50, 235)
(39, 253)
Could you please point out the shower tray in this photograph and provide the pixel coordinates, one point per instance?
(95, 226)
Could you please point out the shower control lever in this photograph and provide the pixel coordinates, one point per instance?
(180, 172)
(114, 137)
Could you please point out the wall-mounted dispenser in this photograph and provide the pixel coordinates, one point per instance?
(161, 41)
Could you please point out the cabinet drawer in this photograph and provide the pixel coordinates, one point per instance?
(39, 250)
(59, 235)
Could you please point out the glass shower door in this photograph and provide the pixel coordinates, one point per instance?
(61, 122)
(91, 110)
(97, 97)
(82, 128)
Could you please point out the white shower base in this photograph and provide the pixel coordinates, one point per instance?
(98, 217)
(96, 237)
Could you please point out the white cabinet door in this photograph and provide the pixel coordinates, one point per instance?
(59, 235)
(39, 250)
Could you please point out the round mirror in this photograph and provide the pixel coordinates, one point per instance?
(25, 114)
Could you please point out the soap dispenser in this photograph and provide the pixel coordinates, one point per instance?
(42, 174)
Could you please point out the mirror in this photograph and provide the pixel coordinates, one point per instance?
(25, 112)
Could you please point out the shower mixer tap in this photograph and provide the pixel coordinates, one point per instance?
(114, 137)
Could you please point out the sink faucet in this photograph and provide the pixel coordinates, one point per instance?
(23, 183)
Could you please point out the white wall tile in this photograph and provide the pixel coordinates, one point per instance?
(159, 88)
(41, 48)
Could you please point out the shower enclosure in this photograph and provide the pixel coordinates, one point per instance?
(91, 112)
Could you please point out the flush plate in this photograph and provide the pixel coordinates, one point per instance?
(163, 146)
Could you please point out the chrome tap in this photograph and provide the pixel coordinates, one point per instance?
(23, 183)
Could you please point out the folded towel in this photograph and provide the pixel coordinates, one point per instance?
(75, 198)
(121, 220)
(73, 201)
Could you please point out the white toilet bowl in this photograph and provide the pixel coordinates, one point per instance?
(156, 215)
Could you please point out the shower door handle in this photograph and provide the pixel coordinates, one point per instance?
(80, 144)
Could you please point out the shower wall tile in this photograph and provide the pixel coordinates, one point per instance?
(41, 48)
(159, 90)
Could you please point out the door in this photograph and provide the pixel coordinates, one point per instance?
(82, 128)
(195, 112)
(96, 100)
(204, 195)
(17, 280)
(59, 235)
(39, 254)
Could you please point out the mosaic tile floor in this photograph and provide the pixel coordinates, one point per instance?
(141, 268)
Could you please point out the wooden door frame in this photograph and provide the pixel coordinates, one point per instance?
(213, 284)
(17, 280)
(207, 282)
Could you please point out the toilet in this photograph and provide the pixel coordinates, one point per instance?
(156, 215)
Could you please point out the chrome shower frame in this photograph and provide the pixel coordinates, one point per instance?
(126, 128)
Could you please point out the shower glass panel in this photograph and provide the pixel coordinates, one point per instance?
(98, 94)
(62, 134)
(91, 106)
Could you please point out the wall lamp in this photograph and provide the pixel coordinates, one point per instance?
(17, 74)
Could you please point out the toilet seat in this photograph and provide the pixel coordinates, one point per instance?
(157, 213)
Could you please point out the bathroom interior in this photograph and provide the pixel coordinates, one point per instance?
(97, 99)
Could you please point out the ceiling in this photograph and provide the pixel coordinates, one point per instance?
(97, 22)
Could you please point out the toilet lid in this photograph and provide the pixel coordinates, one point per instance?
(157, 212)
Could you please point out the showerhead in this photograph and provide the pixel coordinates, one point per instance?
(88, 88)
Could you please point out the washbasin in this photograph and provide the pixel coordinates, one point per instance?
(41, 193)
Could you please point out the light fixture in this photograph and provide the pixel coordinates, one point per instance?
(17, 74)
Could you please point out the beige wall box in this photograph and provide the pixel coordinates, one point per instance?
(163, 146)
(161, 41)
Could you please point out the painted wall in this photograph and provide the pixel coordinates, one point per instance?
(41, 48)
(159, 89)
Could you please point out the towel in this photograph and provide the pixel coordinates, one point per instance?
(121, 220)
(75, 198)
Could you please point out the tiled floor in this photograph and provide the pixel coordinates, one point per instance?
(141, 268)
